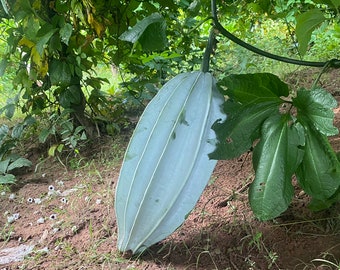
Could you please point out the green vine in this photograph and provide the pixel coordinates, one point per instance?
(334, 63)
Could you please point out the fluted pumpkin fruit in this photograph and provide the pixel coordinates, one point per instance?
(166, 165)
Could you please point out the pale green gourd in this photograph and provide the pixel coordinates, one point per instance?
(166, 165)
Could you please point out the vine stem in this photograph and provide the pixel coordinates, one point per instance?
(335, 63)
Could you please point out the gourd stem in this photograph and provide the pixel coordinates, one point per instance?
(208, 51)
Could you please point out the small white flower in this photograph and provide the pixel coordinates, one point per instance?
(13, 218)
(30, 200)
(98, 201)
(11, 196)
(41, 220)
(87, 199)
(37, 201)
(3, 193)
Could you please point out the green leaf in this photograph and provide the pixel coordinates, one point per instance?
(17, 130)
(315, 107)
(275, 160)
(242, 127)
(65, 33)
(154, 37)
(4, 165)
(9, 109)
(3, 66)
(60, 72)
(336, 3)
(318, 205)
(44, 134)
(254, 88)
(7, 179)
(18, 163)
(3, 132)
(70, 96)
(319, 172)
(44, 34)
(305, 25)
(132, 35)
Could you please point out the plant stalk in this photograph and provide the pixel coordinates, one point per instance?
(208, 51)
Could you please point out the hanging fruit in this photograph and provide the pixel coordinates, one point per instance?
(166, 165)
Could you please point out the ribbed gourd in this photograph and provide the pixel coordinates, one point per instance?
(166, 165)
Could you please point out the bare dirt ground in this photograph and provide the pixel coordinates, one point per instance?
(62, 212)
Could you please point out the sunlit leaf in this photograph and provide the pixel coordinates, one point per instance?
(316, 107)
(132, 35)
(306, 23)
(254, 88)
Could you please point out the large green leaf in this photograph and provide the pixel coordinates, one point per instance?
(65, 33)
(60, 72)
(132, 35)
(154, 37)
(305, 25)
(315, 107)
(275, 160)
(319, 172)
(242, 127)
(70, 96)
(254, 88)
(7, 179)
(4, 165)
(18, 163)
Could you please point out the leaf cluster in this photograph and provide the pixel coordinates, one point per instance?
(289, 135)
